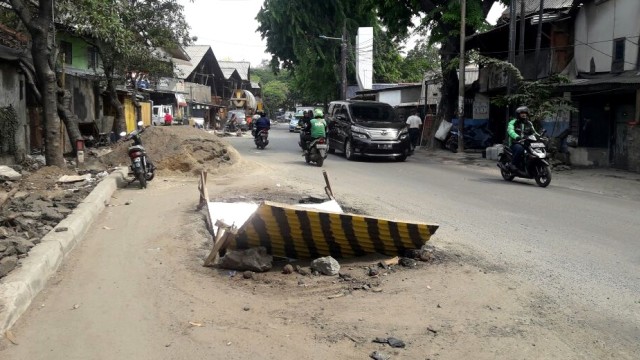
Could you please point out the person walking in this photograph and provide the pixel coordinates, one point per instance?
(414, 123)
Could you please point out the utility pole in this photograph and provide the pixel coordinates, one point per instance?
(539, 38)
(463, 15)
(512, 55)
(522, 29)
(343, 61)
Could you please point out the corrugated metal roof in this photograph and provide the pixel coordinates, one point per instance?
(627, 78)
(533, 6)
(196, 53)
(241, 66)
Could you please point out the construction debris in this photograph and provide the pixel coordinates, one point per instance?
(326, 266)
(254, 259)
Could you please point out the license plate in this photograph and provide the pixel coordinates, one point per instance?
(385, 146)
(537, 145)
(321, 146)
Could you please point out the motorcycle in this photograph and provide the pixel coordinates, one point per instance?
(261, 139)
(141, 167)
(534, 164)
(317, 151)
(474, 138)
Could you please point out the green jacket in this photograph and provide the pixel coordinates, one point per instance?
(516, 128)
(318, 128)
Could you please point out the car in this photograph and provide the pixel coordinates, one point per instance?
(294, 124)
(367, 128)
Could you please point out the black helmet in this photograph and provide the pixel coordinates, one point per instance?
(522, 109)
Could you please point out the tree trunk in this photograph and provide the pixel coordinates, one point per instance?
(68, 117)
(119, 121)
(47, 83)
(449, 90)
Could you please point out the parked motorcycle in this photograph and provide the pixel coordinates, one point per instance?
(262, 139)
(475, 137)
(141, 167)
(534, 164)
(317, 151)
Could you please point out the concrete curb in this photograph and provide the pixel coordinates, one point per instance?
(18, 289)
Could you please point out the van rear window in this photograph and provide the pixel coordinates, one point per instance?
(373, 112)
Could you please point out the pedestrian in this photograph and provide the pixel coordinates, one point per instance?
(414, 123)
(168, 119)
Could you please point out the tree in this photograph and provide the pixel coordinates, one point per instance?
(292, 31)
(442, 18)
(38, 21)
(422, 58)
(275, 94)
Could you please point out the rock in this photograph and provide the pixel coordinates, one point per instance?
(246, 308)
(373, 271)
(34, 215)
(20, 195)
(345, 276)
(378, 355)
(61, 229)
(51, 214)
(8, 174)
(406, 262)
(302, 271)
(64, 211)
(396, 343)
(326, 265)
(288, 269)
(413, 253)
(3, 247)
(21, 245)
(247, 274)
(4, 233)
(7, 264)
(254, 259)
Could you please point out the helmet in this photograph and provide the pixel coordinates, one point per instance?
(522, 109)
(317, 113)
(256, 117)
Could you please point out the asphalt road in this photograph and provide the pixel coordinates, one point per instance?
(580, 248)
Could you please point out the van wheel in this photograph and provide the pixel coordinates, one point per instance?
(348, 150)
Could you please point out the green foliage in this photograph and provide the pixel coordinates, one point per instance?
(539, 96)
(422, 58)
(274, 94)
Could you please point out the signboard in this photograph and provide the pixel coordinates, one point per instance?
(481, 105)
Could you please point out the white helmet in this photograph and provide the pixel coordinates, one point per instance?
(256, 117)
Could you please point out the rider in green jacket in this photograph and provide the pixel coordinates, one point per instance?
(519, 127)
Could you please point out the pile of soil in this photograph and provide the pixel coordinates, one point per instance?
(178, 150)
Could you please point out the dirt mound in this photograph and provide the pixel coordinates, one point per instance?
(178, 150)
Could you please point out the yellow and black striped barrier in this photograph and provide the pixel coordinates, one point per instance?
(299, 233)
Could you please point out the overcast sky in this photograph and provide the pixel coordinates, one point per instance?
(229, 27)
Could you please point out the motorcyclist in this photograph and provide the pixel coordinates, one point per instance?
(519, 127)
(263, 123)
(317, 128)
(254, 121)
(305, 127)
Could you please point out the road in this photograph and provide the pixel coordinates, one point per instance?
(130, 290)
(581, 247)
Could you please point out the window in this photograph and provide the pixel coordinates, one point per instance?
(617, 63)
(92, 57)
(66, 55)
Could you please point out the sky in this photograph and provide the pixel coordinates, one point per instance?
(229, 27)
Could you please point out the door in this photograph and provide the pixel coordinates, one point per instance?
(620, 146)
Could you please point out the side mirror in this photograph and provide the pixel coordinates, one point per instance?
(122, 134)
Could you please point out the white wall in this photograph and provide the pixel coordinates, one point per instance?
(598, 25)
(392, 98)
(364, 58)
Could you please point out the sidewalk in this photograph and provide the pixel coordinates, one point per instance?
(604, 181)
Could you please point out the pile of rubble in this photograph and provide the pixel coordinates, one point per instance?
(33, 200)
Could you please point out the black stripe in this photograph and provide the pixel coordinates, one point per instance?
(349, 233)
(241, 241)
(325, 224)
(261, 229)
(414, 234)
(307, 235)
(432, 229)
(285, 231)
(374, 234)
(397, 239)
